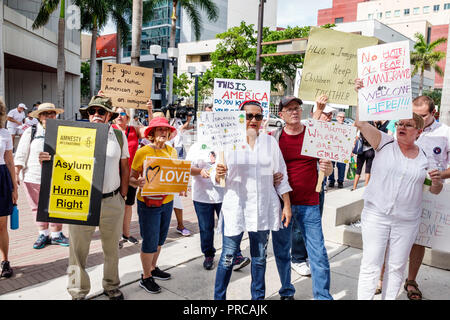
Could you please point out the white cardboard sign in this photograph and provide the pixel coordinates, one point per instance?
(328, 140)
(386, 74)
(434, 228)
(230, 93)
(221, 129)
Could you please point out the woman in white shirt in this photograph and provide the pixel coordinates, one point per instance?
(392, 204)
(251, 202)
(27, 160)
(8, 191)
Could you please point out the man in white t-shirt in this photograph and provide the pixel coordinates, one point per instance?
(435, 141)
(15, 120)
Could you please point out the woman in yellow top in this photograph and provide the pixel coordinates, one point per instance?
(154, 212)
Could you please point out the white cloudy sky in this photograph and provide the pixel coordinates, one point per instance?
(300, 12)
(290, 12)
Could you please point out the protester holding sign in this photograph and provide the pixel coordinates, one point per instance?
(302, 172)
(390, 219)
(207, 199)
(27, 157)
(435, 141)
(115, 188)
(154, 211)
(251, 203)
(8, 191)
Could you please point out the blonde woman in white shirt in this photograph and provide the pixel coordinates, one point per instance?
(251, 202)
(27, 159)
(392, 204)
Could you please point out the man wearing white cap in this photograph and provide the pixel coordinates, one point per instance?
(15, 120)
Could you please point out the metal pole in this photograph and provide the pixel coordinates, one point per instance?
(196, 97)
(259, 39)
(163, 84)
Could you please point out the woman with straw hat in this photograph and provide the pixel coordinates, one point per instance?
(27, 160)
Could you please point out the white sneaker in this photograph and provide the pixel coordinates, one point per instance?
(301, 268)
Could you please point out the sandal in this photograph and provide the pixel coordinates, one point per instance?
(415, 292)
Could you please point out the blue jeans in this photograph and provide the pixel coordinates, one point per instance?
(341, 172)
(154, 225)
(298, 251)
(281, 241)
(205, 216)
(258, 252)
(308, 219)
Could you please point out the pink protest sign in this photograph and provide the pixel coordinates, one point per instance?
(386, 74)
(328, 140)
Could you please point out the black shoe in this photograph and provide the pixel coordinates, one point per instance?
(208, 264)
(41, 241)
(149, 285)
(114, 294)
(131, 239)
(7, 271)
(287, 298)
(331, 185)
(340, 185)
(160, 275)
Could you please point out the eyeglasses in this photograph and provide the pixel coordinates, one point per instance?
(292, 110)
(93, 111)
(250, 116)
(405, 125)
(123, 114)
(48, 113)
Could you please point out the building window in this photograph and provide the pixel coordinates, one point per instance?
(106, 50)
(370, 16)
(338, 20)
(426, 9)
(446, 6)
(113, 49)
(379, 15)
(416, 10)
(388, 14)
(98, 51)
(397, 13)
(436, 8)
(406, 12)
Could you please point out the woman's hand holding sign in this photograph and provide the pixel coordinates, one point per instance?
(44, 156)
(221, 172)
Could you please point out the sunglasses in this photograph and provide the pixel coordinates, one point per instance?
(93, 111)
(250, 116)
(123, 114)
(405, 125)
(48, 113)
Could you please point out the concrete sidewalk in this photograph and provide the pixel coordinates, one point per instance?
(183, 259)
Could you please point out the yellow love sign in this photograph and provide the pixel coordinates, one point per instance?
(165, 176)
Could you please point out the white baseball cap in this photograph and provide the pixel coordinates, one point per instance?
(22, 105)
(327, 109)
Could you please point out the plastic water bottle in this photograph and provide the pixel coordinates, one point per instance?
(15, 218)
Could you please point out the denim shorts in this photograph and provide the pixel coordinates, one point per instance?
(154, 225)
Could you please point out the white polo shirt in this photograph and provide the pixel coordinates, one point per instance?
(435, 141)
(396, 182)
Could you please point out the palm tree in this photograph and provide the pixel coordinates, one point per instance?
(426, 56)
(46, 9)
(121, 12)
(94, 16)
(191, 7)
(136, 32)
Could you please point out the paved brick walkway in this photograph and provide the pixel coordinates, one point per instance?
(33, 266)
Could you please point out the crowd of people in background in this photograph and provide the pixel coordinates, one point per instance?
(282, 196)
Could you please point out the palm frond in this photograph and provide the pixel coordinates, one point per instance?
(209, 7)
(46, 9)
(194, 17)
